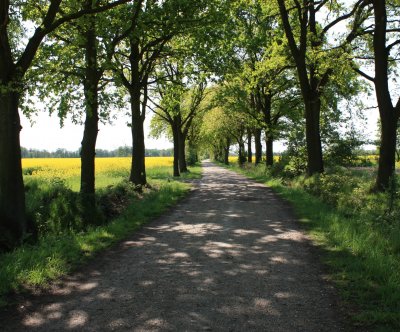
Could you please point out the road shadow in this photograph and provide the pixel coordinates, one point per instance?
(231, 257)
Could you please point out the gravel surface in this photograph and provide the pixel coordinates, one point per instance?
(231, 257)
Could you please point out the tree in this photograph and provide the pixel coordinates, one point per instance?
(216, 134)
(147, 30)
(73, 77)
(315, 59)
(181, 90)
(262, 66)
(385, 41)
(15, 61)
(227, 121)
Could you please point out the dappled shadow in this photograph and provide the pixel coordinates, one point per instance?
(229, 258)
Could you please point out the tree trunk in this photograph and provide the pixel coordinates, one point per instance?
(226, 151)
(13, 222)
(249, 148)
(175, 136)
(269, 149)
(388, 113)
(242, 157)
(315, 162)
(269, 138)
(258, 145)
(311, 83)
(88, 155)
(88, 150)
(182, 153)
(387, 153)
(138, 170)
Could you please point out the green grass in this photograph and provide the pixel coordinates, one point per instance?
(54, 256)
(363, 256)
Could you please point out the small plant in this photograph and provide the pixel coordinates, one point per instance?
(53, 206)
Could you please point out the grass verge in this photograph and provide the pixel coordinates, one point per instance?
(54, 256)
(363, 259)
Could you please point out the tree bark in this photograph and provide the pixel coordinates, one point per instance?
(269, 138)
(242, 156)
(175, 134)
(387, 152)
(88, 147)
(138, 170)
(13, 222)
(388, 113)
(269, 141)
(313, 137)
(249, 147)
(226, 151)
(258, 146)
(182, 152)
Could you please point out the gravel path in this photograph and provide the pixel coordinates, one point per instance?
(228, 258)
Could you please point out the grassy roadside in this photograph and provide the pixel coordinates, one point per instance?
(56, 255)
(363, 257)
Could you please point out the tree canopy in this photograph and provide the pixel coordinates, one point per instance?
(217, 74)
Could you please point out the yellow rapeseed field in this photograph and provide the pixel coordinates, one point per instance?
(234, 159)
(66, 168)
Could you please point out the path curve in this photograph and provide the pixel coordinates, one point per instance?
(228, 258)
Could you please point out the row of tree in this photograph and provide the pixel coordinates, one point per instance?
(217, 73)
(293, 67)
(83, 58)
(122, 151)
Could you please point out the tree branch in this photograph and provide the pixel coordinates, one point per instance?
(360, 72)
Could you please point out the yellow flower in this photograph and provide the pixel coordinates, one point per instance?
(67, 168)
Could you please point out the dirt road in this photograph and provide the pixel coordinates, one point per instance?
(229, 258)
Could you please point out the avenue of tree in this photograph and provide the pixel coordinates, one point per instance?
(215, 74)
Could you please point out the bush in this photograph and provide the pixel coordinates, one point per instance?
(114, 199)
(330, 187)
(342, 152)
(54, 207)
(192, 157)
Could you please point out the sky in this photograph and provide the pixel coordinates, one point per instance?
(46, 134)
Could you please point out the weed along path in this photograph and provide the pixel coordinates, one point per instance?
(228, 258)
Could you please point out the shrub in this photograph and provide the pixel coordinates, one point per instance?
(342, 152)
(288, 166)
(114, 199)
(53, 206)
(330, 187)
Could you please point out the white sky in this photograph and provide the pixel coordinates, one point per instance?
(46, 134)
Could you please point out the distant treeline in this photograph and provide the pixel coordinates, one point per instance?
(123, 151)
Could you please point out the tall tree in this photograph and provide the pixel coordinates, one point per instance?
(143, 42)
(385, 42)
(15, 61)
(315, 59)
(181, 89)
(263, 67)
(72, 70)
